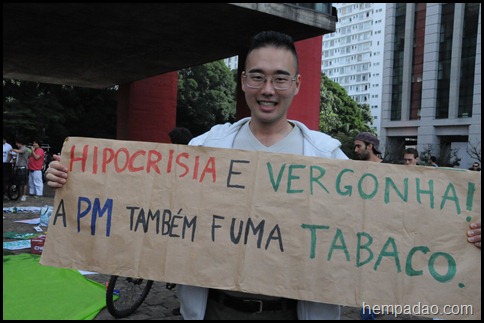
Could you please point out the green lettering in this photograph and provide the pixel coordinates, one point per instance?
(339, 236)
(313, 229)
(364, 195)
(291, 177)
(365, 246)
(450, 272)
(389, 183)
(349, 188)
(450, 188)
(430, 192)
(471, 188)
(391, 253)
(408, 264)
(313, 178)
(275, 185)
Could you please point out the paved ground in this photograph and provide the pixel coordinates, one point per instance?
(160, 301)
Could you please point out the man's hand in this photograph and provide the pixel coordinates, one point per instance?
(474, 234)
(56, 174)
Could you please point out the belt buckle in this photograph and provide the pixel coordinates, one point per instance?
(255, 301)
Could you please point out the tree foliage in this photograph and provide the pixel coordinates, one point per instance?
(206, 96)
(341, 116)
(50, 113)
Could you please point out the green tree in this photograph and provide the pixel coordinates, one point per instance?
(341, 116)
(50, 112)
(206, 96)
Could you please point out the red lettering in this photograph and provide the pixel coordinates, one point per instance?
(82, 159)
(195, 167)
(117, 160)
(180, 163)
(94, 160)
(131, 161)
(122, 160)
(170, 161)
(153, 158)
(107, 159)
(209, 168)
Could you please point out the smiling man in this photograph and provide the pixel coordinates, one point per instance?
(270, 81)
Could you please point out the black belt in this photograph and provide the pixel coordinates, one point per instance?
(251, 305)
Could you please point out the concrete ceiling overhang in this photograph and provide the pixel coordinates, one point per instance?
(104, 44)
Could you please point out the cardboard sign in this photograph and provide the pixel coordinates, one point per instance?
(333, 231)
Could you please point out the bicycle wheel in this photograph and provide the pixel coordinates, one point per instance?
(125, 294)
(13, 192)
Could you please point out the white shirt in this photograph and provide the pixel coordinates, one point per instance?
(193, 299)
(6, 149)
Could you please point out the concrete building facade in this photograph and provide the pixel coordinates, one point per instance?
(431, 95)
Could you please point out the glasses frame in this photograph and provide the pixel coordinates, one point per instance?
(266, 78)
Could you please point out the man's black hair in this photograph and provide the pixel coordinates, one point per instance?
(274, 39)
(412, 151)
(180, 135)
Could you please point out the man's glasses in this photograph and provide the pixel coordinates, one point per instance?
(279, 81)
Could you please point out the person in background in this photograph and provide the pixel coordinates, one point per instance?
(35, 166)
(475, 167)
(12, 157)
(367, 147)
(7, 167)
(433, 161)
(180, 135)
(6, 151)
(410, 157)
(21, 172)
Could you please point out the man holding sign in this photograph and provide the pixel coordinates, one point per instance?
(270, 82)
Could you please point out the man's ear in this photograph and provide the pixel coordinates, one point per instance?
(298, 84)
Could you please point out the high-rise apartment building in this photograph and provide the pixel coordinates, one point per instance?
(353, 55)
(432, 80)
(418, 67)
(232, 62)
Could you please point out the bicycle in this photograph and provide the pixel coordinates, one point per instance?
(10, 186)
(124, 295)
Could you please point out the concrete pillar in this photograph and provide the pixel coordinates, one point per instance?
(147, 108)
(305, 106)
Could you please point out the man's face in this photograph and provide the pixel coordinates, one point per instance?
(268, 105)
(362, 151)
(409, 159)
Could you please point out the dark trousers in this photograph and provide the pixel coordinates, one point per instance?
(217, 311)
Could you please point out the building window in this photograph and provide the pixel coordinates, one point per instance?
(445, 55)
(418, 60)
(399, 36)
(468, 60)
